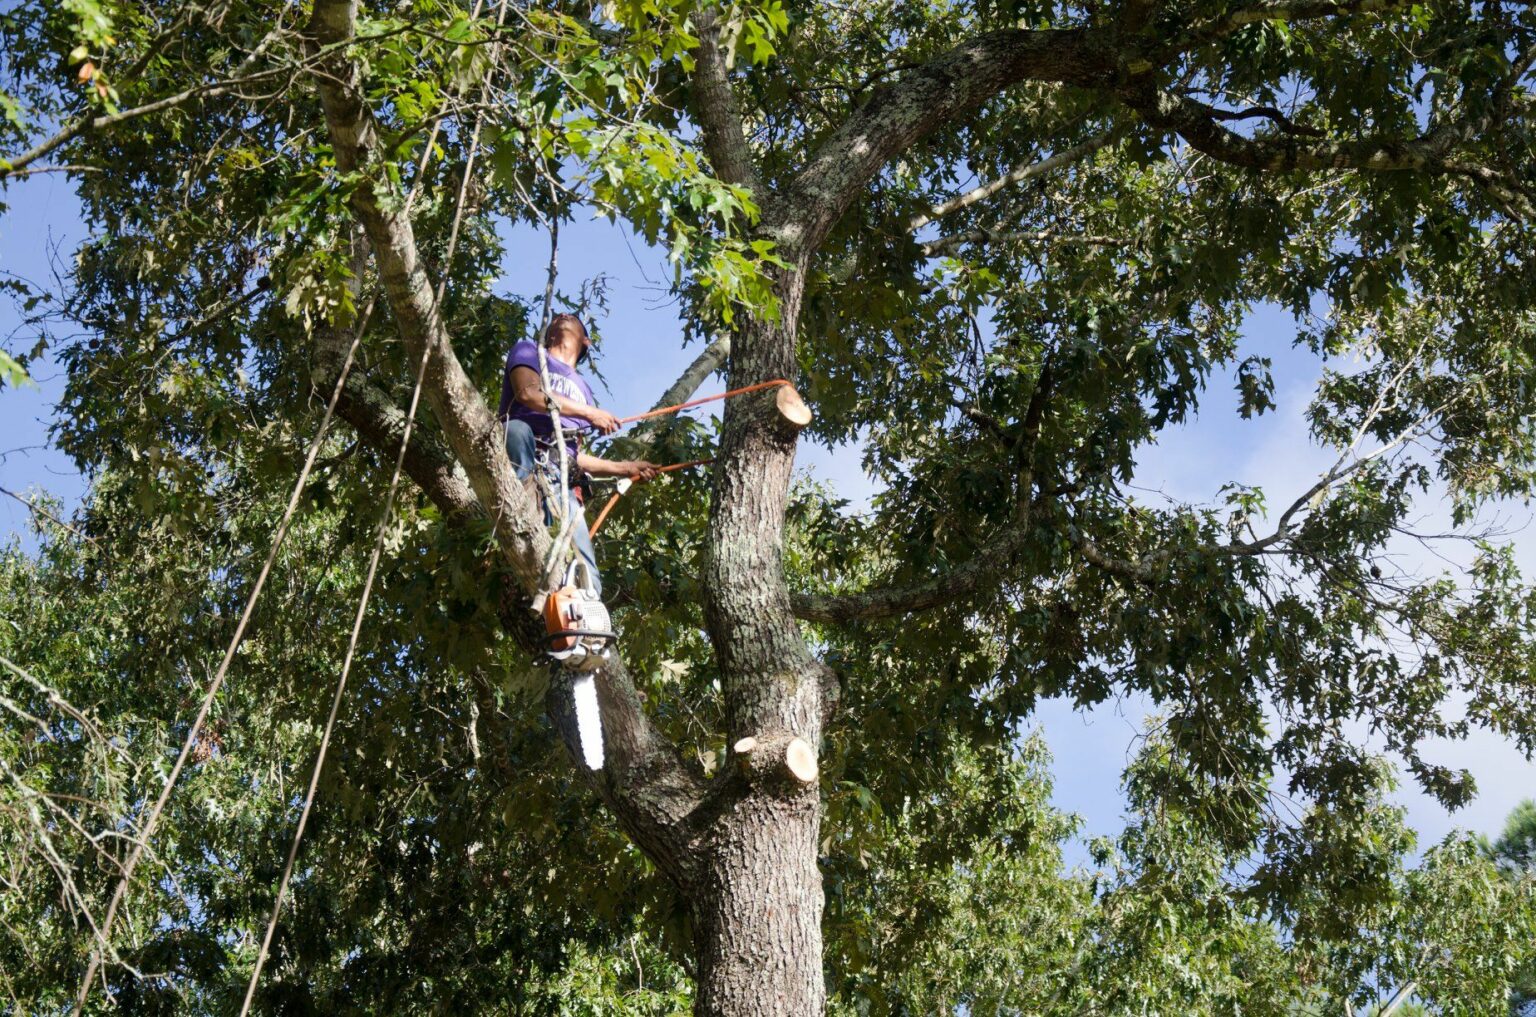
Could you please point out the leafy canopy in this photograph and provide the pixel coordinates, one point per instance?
(1006, 362)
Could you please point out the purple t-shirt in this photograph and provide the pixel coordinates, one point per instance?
(563, 381)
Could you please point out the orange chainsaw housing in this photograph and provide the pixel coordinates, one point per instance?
(559, 618)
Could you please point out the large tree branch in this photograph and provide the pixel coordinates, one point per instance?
(1434, 151)
(1104, 58)
(381, 423)
(1017, 175)
(468, 423)
(923, 100)
(715, 107)
(375, 416)
(989, 564)
(710, 360)
(641, 771)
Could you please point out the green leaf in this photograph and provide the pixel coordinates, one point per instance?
(12, 373)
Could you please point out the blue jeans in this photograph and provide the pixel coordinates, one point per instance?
(523, 451)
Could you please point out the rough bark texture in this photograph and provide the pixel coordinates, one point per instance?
(715, 107)
(468, 424)
(758, 906)
(757, 909)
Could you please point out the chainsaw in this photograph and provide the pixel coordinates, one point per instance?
(579, 634)
(577, 628)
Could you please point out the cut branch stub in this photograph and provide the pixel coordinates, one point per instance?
(787, 757)
(791, 407)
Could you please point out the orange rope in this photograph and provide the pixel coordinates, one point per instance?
(663, 411)
(604, 513)
(597, 524)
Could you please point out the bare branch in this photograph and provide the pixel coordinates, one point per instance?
(710, 360)
(1284, 122)
(1018, 175)
(43, 513)
(1149, 569)
(943, 245)
(1398, 998)
(39, 170)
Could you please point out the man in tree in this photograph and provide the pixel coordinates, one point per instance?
(531, 430)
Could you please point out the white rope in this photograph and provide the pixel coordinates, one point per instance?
(148, 829)
(378, 549)
(562, 511)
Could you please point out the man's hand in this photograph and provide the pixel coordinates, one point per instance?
(640, 471)
(601, 419)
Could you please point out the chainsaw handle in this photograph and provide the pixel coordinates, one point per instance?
(563, 633)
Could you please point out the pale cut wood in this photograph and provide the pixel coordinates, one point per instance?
(800, 761)
(791, 407)
(786, 756)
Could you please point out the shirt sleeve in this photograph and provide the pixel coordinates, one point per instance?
(524, 354)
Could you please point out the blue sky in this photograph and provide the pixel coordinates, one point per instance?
(642, 354)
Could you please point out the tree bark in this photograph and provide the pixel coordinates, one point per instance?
(757, 901)
(757, 909)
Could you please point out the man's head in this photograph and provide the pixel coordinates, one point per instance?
(566, 331)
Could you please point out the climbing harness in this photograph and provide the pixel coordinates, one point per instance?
(546, 474)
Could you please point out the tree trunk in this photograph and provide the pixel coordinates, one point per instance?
(757, 897)
(757, 910)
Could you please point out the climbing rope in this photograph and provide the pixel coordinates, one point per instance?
(140, 843)
(562, 503)
(378, 548)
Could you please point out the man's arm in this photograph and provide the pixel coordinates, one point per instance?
(529, 391)
(635, 469)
